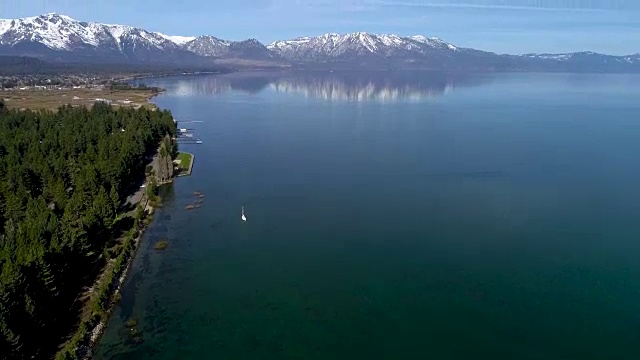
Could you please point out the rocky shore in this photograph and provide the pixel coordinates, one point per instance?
(109, 283)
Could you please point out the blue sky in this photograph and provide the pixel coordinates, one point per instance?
(504, 26)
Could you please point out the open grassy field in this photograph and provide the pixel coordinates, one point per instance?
(184, 162)
(52, 99)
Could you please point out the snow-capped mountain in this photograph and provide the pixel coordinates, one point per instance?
(251, 48)
(418, 51)
(577, 55)
(54, 37)
(384, 51)
(61, 37)
(54, 34)
(211, 46)
(208, 46)
(345, 46)
(57, 32)
(587, 61)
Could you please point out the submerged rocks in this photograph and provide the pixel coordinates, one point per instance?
(197, 203)
(161, 245)
(131, 332)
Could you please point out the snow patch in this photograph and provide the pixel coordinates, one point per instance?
(117, 31)
(419, 38)
(367, 41)
(390, 40)
(179, 40)
(5, 25)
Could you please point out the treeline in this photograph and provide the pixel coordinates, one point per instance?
(127, 86)
(23, 65)
(63, 178)
(12, 65)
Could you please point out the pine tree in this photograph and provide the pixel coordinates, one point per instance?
(14, 207)
(115, 199)
(11, 283)
(59, 194)
(103, 208)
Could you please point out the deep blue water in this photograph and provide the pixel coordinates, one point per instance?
(397, 216)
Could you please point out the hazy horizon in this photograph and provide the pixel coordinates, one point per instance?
(501, 26)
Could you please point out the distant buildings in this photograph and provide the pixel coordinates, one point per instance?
(52, 82)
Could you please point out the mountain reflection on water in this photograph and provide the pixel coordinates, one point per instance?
(352, 87)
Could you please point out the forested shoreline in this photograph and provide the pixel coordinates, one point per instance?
(63, 178)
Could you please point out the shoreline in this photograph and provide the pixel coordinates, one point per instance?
(92, 329)
(99, 329)
(185, 73)
(193, 159)
(107, 287)
(86, 347)
(148, 102)
(145, 207)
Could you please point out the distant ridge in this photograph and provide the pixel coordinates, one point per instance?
(20, 65)
(60, 38)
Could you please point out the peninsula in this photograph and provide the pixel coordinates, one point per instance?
(73, 207)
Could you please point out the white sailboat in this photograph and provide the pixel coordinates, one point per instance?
(244, 218)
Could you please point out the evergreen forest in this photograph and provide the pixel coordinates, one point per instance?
(64, 178)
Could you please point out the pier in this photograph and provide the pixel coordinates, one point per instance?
(189, 141)
(186, 136)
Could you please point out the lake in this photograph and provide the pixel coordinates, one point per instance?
(394, 216)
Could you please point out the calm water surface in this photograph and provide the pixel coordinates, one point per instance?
(405, 216)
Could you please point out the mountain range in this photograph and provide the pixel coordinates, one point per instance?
(59, 38)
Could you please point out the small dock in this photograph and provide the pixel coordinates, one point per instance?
(188, 121)
(189, 140)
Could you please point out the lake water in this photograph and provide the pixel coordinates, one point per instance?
(395, 216)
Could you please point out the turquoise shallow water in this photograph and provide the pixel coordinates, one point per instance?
(405, 216)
